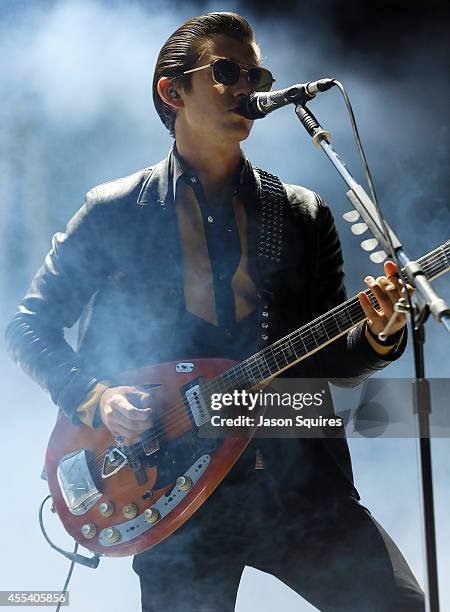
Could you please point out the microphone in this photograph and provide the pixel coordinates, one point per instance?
(259, 104)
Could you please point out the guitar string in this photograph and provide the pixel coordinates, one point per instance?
(178, 421)
(186, 419)
(349, 305)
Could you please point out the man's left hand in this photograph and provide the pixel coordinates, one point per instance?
(387, 290)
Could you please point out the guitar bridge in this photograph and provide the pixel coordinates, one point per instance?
(113, 461)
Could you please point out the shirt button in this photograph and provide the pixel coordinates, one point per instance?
(227, 333)
(228, 229)
(221, 277)
(193, 180)
(235, 191)
(210, 219)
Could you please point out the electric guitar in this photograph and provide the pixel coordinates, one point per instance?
(120, 500)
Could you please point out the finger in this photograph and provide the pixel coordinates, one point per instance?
(382, 299)
(140, 399)
(389, 288)
(369, 310)
(390, 268)
(135, 425)
(119, 403)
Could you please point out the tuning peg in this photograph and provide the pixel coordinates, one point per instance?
(369, 244)
(359, 228)
(378, 257)
(351, 216)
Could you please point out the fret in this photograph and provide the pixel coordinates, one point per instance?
(266, 365)
(240, 375)
(337, 323)
(333, 327)
(344, 318)
(292, 346)
(249, 367)
(261, 375)
(289, 354)
(311, 333)
(429, 266)
(274, 357)
(446, 249)
(285, 349)
(303, 342)
(228, 379)
(235, 372)
(445, 258)
(349, 315)
(251, 380)
(320, 331)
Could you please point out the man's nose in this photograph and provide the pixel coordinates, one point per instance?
(243, 87)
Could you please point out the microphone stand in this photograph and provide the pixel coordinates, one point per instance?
(423, 301)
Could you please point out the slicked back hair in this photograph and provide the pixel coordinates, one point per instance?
(185, 46)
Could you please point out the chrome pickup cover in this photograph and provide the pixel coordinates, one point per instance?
(197, 404)
(76, 483)
(165, 504)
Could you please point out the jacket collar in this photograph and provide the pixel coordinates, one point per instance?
(156, 186)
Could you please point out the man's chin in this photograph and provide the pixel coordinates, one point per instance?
(241, 128)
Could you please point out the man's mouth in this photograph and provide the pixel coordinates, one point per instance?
(236, 110)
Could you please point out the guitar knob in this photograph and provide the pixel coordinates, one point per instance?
(151, 515)
(112, 535)
(184, 483)
(129, 511)
(88, 531)
(106, 508)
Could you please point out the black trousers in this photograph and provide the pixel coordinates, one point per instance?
(332, 552)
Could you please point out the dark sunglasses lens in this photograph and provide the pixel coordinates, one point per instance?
(260, 78)
(226, 71)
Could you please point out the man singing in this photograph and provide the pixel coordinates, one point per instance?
(201, 255)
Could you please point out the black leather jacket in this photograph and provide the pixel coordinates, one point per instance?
(118, 266)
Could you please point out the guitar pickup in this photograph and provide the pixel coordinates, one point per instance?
(197, 405)
(150, 447)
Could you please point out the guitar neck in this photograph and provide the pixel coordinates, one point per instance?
(312, 337)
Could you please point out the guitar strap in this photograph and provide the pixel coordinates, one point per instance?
(273, 204)
(275, 208)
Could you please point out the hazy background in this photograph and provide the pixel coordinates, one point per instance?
(76, 110)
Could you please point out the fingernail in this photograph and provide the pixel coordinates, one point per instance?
(368, 279)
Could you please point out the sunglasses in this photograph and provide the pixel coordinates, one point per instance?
(228, 72)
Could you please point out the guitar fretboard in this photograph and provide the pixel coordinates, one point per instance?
(308, 339)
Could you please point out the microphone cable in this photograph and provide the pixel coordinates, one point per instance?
(371, 185)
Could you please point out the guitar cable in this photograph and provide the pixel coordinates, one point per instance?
(91, 562)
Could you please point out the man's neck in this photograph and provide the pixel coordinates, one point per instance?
(216, 166)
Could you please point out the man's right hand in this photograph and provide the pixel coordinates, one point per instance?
(126, 411)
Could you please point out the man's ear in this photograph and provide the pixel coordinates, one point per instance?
(169, 93)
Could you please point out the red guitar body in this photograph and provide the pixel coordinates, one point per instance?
(123, 500)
